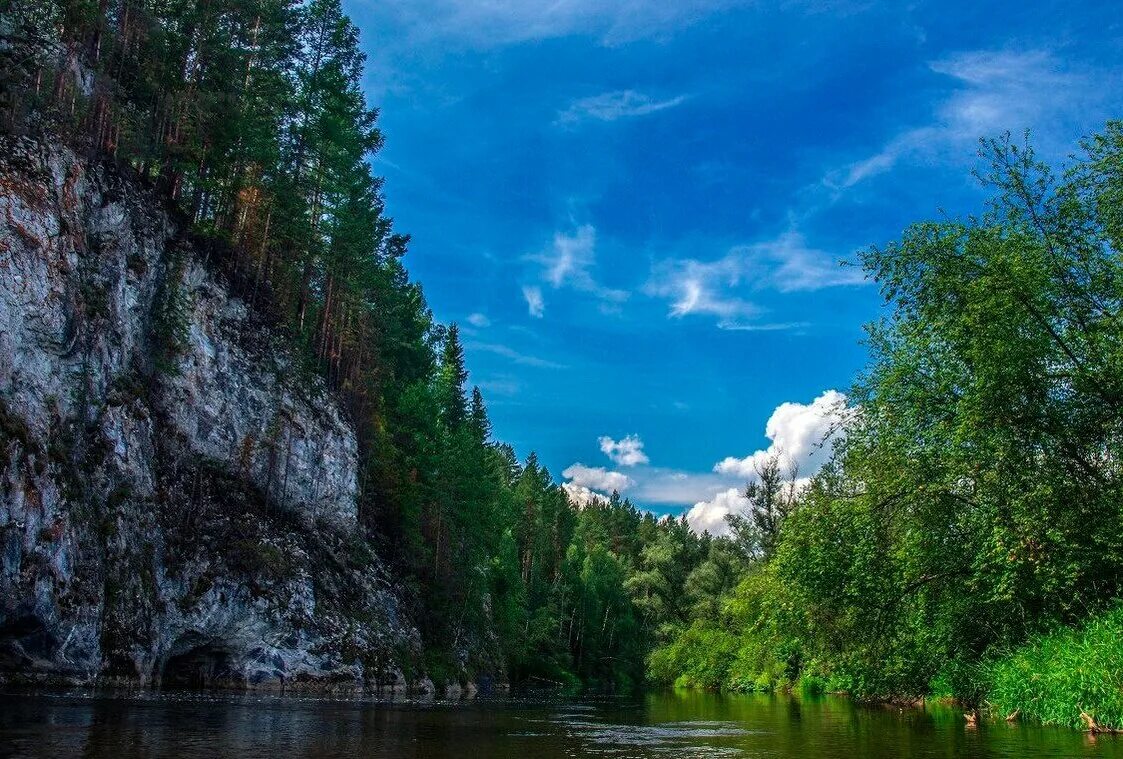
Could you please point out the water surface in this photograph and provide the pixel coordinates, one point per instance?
(673, 724)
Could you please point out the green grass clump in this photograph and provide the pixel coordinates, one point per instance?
(1055, 677)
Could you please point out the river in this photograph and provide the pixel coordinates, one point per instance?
(671, 724)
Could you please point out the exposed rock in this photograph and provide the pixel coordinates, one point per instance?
(178, 499)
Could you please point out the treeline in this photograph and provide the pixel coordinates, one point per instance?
(250, 117)
(976, 502)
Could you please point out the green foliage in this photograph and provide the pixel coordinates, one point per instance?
(975, 503)
(701, 656)
(249, 117)
(1055, 677)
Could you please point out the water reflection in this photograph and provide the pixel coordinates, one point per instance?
(187, 724)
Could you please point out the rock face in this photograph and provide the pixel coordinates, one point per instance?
(177, 498)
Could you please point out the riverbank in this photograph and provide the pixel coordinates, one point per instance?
(1071, 677)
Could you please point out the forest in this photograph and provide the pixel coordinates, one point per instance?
(249, 116)
(967, 533)
(966, 540)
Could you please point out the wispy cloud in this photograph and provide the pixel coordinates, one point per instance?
(785, 264)
(734, 326)
(492, 23)
(701, 287)
(501, 385)
(569, 262)
(503, 22)
(510, 353)
(479, 320)
(613, 106)
(535, 304)
(994, 91)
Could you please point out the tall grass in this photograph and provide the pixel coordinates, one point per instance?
(1055, 677)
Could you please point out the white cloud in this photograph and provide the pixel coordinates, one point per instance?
(674, 487)
(491, 23)
(792, 265)
(612, 106)
(508, 352)
(801, 434)
(571, 257)
(479, 320)
(501, 22)
(994, 91)
(535, 305)
(502, 385)
(709, 516)
(597, 478)
(569, 262)
(582, 496)
(701, 287)
(786, 263)
(627, 451)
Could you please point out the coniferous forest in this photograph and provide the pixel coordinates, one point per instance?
(966, 540)
(250, 118)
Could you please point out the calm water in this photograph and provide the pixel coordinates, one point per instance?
(659, 725)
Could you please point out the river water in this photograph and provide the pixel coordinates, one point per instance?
(672, 724)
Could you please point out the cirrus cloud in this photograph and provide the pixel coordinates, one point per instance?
(787, 263)
(535, 304)
(613, 106)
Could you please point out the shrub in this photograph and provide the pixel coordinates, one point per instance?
(1055, 677)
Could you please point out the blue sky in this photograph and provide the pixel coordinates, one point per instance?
(635, 210)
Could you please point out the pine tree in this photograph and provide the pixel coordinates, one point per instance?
(478, 420)
(451, 380)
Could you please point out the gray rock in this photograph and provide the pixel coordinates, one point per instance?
(177, 500)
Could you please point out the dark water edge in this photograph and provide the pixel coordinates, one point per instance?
(87, 723)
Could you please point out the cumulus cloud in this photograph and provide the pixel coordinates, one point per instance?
(479, 320)
(535, 305)
(787, 263)
(803, 435)
(627, 451)
(597, 477)
(582, 496)
(709, 516)
(612, 106)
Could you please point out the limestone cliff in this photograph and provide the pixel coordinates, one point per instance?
(177, 498)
